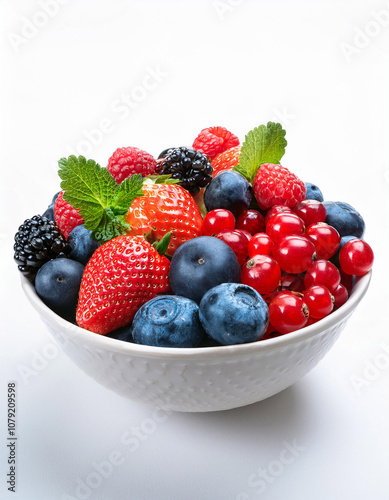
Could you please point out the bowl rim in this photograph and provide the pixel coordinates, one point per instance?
(139, 350)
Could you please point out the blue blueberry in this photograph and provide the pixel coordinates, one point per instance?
(335, 258)
(344, 218)
(234, 314)
(82, 244)
(228, 190)
(49, 212)
(57, 283)
(313, 192)
(168, 321)
(122, 333)
(200, 264)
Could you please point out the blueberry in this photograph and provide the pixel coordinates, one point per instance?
(122, 333)
(168, 321)
(344, 218)
(335, 258)
(57, 283)
(200, 264)
(313, 192)
(228, 190)
(55, 198)
(234, 314)
(82, 244)
(49, 213)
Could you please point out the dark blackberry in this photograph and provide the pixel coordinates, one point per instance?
(37, 241)
(191, 167)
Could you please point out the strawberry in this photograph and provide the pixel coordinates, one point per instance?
(214, 140)
(66, 217)
(120, 277)
(225, 160)
(125, 162)
(276, 185)
(164, 208)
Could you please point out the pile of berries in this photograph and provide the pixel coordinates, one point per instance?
(200, 247)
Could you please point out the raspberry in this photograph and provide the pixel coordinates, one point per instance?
(214, 140)
(225, 160)
(276, 185)
(128, 161)
(66, 217)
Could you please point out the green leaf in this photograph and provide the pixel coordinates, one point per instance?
(93, 191)
(127, 191)
(163, 179)
(263, 144)
(163, 244)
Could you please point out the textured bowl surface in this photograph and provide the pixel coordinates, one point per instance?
(199, 379)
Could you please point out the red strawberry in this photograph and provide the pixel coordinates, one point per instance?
(120, 277)
(225, 160)
(214, 140)
(276, 185)
(66, 217)
(125, 162)
(164, 208)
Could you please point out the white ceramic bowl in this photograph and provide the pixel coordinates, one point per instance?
(199, 379)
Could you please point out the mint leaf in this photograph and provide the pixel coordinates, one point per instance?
(162, 245)
(163, 179)
(103, 204)
(263, 144)
(127, 191)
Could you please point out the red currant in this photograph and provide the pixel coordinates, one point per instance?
(261, 273)
(237, 240)
(288, 312)
(252, 221)
(217, 220)
(260, 244)
(246, 233)
(356, 257)
(284, 224)
(322, 272)
(294, 254)
(325, 238)
(293, 282)
(270, 333)
(311, 211)
(347, 280)
(319, 300)
(340, 296)
(277, 209)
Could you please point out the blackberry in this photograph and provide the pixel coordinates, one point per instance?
(191, 167)
(37, 241)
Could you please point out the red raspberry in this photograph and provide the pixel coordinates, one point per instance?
(66, 217)
(128, 161)
(214, 140)
(276, 185)
(225, 160)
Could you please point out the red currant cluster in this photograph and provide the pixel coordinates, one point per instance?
(285, 255)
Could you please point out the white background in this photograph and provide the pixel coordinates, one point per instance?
(321, 68)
